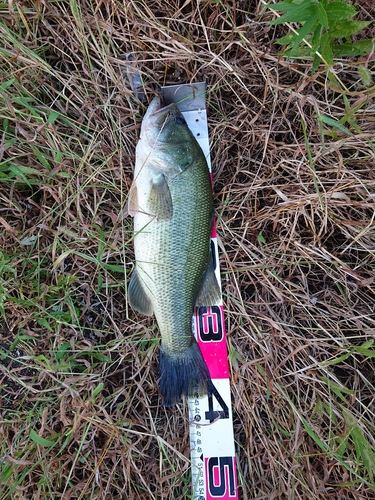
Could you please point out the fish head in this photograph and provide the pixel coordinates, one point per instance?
(165, 134)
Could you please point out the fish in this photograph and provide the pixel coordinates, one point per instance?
(172, 204)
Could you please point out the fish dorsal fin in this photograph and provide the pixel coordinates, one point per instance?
(138, 298)
(160, 199)
(209, 293)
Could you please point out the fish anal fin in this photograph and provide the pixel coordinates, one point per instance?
(138, 298)
(160, 199)
(209, 292)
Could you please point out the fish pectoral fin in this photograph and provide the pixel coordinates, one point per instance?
(131, 206)
(209, 293)
(138, 298)
(160, 199)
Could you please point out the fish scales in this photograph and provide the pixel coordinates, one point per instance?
(171, 201)
(172, 255)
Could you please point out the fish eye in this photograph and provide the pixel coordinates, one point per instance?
(180, 120)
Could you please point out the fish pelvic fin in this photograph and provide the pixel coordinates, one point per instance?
(183, 373)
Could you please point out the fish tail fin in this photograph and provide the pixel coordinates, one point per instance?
(182, 373)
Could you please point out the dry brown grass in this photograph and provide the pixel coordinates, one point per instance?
(295, 210)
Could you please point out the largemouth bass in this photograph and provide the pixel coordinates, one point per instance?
(171, 202)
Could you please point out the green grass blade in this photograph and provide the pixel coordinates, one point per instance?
(334, 123)
(40, 440)
(364, 451)
(303, 32)
(321, 14)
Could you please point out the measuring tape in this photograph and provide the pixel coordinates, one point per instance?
(211, 423)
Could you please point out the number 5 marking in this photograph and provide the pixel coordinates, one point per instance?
(221, 477)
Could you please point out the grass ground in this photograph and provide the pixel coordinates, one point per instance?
(294, 173)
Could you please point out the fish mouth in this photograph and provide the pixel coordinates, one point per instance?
(154, 106)
(154, 124)
(157, 113)
(160, 113)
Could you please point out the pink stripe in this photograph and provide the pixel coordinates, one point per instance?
(213, 234)
(210, 328)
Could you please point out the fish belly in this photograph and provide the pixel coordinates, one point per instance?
(172, 254)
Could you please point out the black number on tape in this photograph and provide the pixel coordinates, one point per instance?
(226, 482)
(212, 414)
(210, 325)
